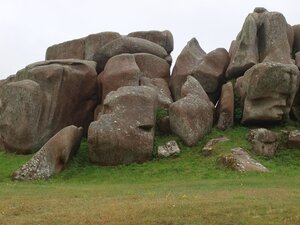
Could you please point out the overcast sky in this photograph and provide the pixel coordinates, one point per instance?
(28, 27)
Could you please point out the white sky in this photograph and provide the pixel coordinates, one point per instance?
(28, 27)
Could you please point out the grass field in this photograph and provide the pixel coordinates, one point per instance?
(185, 190)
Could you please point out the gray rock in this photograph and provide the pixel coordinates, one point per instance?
(208, 69)
(191, 117)
(124, 132)
(169, 149)
(263, 142)
(267, 92)
(127, 45)
(162, 38)
(294, 139)
(74, 49)
(240, 161)
(52, 157)
(42, 99)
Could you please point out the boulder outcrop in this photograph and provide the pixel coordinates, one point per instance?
(191, 117)
(124, 132)
(264, 38)
(263, 142)
(52, 158)
(267, 92)
(208, 69)
(42, 99)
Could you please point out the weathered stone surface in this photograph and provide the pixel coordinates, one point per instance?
(267, 91)
(265, 37)
(127, 45)
(263, 142)
(52, 157)
(209, 148)
(120, 70)
(152, 66)
(124, 133)
(226, 107)
(162, 38)
(74, 49)
(273, 39)
(162, 89)
(191, 117)
(296, 29)
(42, 99)
(208, 69)
(169, 149)
(290, 34)
(294, 139)
(240, 161)
(94, 42)
(191, 54)
(98, 112)
(244, 52)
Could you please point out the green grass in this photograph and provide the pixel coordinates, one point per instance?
(188, 189)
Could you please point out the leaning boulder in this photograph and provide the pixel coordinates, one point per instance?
(267, 92)
(263, 142)
(208, 69)
(124, 132)
(52, 157)
(240, 161)
(42, 99)
(191, 117)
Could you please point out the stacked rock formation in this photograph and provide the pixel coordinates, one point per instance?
(112, 85)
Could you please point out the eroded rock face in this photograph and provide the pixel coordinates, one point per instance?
(265, 37)
(124, 132)
(191, 117)
(127, 45)
(208, 69)
(267, 91)
(119, 71)
(226, 107)
(52, 157)
(263, 142)
(162, 38)
(240, 161)
(42, 99)
(162, 89)
(74, 49)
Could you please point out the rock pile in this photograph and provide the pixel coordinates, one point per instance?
(112, 85)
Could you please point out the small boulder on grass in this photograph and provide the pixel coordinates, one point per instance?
(52, 157)
(239, 160)
(263, 142)
(169, 149)
(294, 139)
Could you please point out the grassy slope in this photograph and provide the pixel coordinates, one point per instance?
(189, 189)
